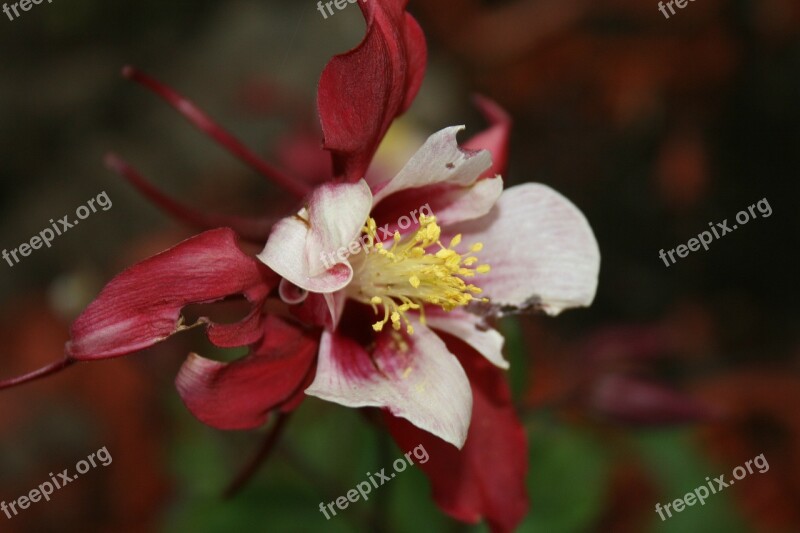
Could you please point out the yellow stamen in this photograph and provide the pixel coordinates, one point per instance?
(408, 276)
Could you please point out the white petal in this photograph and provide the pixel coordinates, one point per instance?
(291, 293)
(335, 302)
(285, 253)
(424, 384)
(468, 203)
(304, 248)
(439, 160)
(337, 212)
(542, 252)
(473, 330)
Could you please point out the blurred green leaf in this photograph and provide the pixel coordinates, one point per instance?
(679, 468)
(412, 507)
(517, 354)
(566, 480)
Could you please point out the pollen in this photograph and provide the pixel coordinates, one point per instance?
(407, 273)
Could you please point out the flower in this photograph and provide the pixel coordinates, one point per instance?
(430, 358)
(542, 254)
(437, 368)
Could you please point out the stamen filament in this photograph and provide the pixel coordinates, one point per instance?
(407, 273)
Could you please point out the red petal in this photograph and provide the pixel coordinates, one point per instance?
(240, 395)
(242, 333)
(299, 394)
(486, 479)
(313, 310)
(301, 155)
(141, 306)
(362, 91)
(495, 138)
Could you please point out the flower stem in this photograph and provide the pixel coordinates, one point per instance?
(263, 453)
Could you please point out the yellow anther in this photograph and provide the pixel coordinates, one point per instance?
(408, 276)
(453, 262)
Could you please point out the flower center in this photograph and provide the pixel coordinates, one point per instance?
(407, 276)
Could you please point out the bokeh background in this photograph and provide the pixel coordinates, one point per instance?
(652, 126)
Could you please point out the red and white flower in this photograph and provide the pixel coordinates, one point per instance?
(525, 248)
(403, 327)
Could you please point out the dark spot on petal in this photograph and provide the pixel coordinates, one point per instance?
(450, 165)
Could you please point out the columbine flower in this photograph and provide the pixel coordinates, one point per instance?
(405, 316)
(402, 327)
(481, 253)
